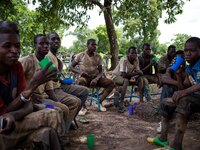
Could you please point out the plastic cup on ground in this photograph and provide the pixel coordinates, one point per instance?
(130, 110)
(51, 106)
(90, 141)
(178, 61)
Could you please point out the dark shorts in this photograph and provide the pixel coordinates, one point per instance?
(187, 106)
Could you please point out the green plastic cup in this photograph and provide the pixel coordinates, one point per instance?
(90, 141)
(44, 62)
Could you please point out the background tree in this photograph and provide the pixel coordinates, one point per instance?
(102, 36)
(29, 22)
(140, 21)
(179, 40)
(82, 34)
(75, 11)
(160, 49)
(143, 15)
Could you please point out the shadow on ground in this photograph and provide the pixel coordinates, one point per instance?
(113, 130)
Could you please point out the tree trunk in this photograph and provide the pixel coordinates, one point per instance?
(112, 36)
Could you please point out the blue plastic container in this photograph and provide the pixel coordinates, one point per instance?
(67, 81)
(51, 106)
(178, 61)
(130, 110)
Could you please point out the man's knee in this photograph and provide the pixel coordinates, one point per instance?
(85, 90)
(82, 81)
(108, 85)
(63, 108)
(76, 102)
(183, 106)
(166, 110)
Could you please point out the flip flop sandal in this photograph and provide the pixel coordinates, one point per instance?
(157, 141)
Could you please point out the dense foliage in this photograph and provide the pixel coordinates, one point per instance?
(139, 19)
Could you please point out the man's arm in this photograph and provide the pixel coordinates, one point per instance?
(75, 70)
(180, 76)
(52, 95)
(181, 93)
(13, 116)
(100, 68)
(148, 66)
(96, 79)
(168, 80)
(49, 89)
(192, 89)
(60, 65)
(21, 113)
(129, 75)
(39, 78)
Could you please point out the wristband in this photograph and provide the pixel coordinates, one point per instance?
(23, 99)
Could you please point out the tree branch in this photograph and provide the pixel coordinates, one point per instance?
(98, 4)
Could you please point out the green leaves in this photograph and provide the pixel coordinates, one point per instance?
(179, 40)
(139, 19)
(172, 8)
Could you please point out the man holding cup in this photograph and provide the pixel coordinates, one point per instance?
(185, 101)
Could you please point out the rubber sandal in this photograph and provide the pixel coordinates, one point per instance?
(157, 141)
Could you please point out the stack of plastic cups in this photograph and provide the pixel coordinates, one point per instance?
(134, 106)
(90, 141)
(131, 109)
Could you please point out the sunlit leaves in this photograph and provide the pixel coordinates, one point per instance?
(179, 40)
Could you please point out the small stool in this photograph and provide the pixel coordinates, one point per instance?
(98, 97)
(133, 85)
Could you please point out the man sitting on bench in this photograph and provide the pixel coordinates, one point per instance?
(127, 69)
(186, 99)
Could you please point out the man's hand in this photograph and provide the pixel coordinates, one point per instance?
(84, 74)
(93, 83)
(181, 69)
(44, 75)
(177, 95)
(58, 75)
(9, 124)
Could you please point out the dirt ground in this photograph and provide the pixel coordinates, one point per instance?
(113, 130)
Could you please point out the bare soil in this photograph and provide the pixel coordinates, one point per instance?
(119, 131)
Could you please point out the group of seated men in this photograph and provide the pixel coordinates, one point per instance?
(27, 89)
(91, 73)
(180, 91)
(181, 85)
